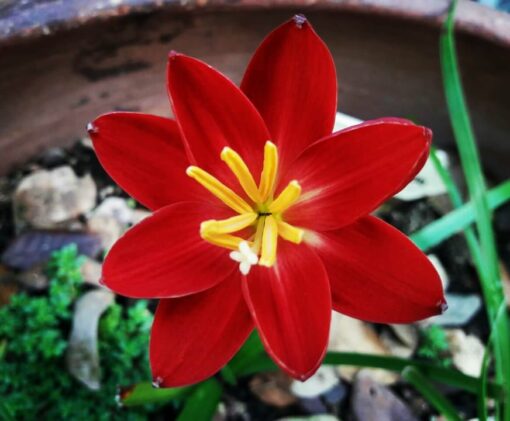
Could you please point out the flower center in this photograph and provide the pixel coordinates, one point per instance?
(261, 217)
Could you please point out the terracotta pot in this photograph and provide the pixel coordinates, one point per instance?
(65, 62)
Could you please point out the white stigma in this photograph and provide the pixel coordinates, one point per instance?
(245, 257)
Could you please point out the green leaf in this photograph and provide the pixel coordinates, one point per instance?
(5, 412)
(251, 349)
(144, 393)
(456, 199)
(464, 136)
(420, 382)
(458, 219)
(203, 402)
(432, 371)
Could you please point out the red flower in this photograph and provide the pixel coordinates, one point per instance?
(226, 251)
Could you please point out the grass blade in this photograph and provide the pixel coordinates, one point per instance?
(464, 136)
(458, 219)
(441, 374)
(443, 405)
(203, 402)
(144, 393)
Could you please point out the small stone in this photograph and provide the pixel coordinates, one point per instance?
(427, 182)
(34, 247)
(46, 198)
(139, 215)
(441, 271)
(467, 351)
(342, 121)
(322, 381)
(115, 207)
(273, 388)
(91, 272)
(373, 402)
(352, 335)
(82, 355)
(107, 227)
(461, 309)
(34, 278)
(401, 340)
(53, 157)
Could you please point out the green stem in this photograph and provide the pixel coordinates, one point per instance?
(457, 220)
(443, 405)
(456, 200)
(464, 136)
(441, 374)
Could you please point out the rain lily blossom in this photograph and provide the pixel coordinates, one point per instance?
(260, 213)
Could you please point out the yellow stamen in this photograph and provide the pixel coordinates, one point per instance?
(227, 226)
(290, 232)
(217, 188)
(257, 242)
(287, 198)
(223, 240)
(268, 176)
(269, 242)
(241, 171)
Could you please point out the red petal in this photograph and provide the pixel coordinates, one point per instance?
(136, 149)
(377, 274)
(163, 256)
(291, 305)
(193, 337)
(213, 113)
(349, 174)
(291, 80)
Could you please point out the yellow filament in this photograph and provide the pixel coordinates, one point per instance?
(257, 242)
(217, 188)
(290, 233)
(269, 242)
(241, 171)
(223, 240)
(226, 226)
(287, 198)
(269, 170)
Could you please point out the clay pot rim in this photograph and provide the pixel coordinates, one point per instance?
(472, 18)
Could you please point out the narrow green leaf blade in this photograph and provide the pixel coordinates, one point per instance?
(144, 393)
(420, 382)
(458, 219)
(202, 403)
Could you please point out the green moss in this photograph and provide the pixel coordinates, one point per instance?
(34, 381)
(434, 345)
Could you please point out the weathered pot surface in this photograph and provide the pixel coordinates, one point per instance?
(65, 62)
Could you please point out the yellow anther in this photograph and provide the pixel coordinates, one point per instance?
(223, 240)
(216, 187)
(227, 226)
(269, 242)
(269, 170)
(290, 232)
(241, 171)
(286, 198)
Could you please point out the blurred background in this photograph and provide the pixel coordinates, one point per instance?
(71, 349)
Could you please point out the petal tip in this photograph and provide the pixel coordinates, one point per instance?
(157, 382)
(299, 20)
(92, 128)
(442, 306)
(172, 55)
(427, 133)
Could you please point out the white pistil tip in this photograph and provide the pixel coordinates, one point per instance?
(245, 257)
(189, 171)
